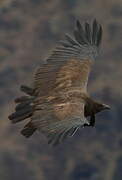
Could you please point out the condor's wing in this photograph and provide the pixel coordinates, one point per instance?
(59, 120)
(69, 65)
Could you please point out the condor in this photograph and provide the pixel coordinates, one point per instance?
(58, 103)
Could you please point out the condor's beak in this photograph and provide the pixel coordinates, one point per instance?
(106, 106)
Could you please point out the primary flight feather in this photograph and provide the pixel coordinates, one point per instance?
(58, 103)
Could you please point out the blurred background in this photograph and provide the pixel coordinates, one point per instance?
(29, 30)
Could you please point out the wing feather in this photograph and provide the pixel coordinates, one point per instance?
(88, 32)
(60, 120)
(64, 62)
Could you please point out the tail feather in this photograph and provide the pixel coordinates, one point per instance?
(28, 130)
(20, 115)
(27, 90)
(23, 105)
(22, 99)
(24, 110)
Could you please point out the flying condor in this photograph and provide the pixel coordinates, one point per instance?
(58, 103)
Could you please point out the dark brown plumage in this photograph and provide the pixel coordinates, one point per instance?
(58, 103)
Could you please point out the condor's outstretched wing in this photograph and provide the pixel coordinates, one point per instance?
(66, 70)
(60, 120)
(69, 65)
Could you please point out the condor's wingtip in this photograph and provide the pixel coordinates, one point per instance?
(88, 34)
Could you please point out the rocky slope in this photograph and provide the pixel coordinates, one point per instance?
(29, 30)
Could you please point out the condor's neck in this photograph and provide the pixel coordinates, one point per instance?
(90, 107)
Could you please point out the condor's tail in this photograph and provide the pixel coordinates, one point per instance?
(24, 110)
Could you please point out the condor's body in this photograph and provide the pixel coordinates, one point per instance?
(58, 103)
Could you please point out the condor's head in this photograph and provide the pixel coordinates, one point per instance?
(93, 107)
(98, 107)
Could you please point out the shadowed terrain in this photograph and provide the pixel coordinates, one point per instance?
(29, 30)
